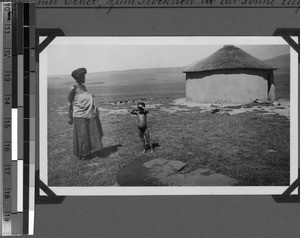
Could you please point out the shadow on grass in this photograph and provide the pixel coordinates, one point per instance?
(154, 145)
(103, 153)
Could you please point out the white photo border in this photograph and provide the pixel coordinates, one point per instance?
(172, 190)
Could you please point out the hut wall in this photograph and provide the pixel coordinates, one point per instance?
(259, 72)
(227, 88)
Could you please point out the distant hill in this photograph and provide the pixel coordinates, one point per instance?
(281, 62)
(149, 75)
(131, 76)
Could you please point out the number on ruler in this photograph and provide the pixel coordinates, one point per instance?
(6, 7)
(7, 100)
(7, 195)
(7, 147)
(6, 123)
(7, 77)
(7, 29)
(7, 54)
(7, 169)
(7, 217)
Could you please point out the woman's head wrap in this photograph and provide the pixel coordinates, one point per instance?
(78, 72)
(140, 103)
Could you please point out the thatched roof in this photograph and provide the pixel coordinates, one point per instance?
(228, 57)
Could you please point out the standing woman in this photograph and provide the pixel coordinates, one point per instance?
(84, 115)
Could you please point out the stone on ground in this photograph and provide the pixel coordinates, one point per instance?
(162, 172)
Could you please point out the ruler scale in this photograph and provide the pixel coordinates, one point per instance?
(18, 99)
(14, 119)
(16, 126)
(26, 117)
(7, 119)
(1, 120)
(19, 108)
(32, 113)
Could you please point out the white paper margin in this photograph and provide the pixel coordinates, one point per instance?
(174, 190)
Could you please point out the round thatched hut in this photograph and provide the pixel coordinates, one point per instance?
(230, 75)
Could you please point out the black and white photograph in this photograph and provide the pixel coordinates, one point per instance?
(168, 115)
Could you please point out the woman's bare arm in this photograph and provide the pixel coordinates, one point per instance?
(71, 96)
(145, 110)
(134, 112)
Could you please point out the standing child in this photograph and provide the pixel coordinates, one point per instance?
(141, 113)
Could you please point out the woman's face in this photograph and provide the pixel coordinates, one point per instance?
(81, 78)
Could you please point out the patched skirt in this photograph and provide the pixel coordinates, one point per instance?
(87, 135)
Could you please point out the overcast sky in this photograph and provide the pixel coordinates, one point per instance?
(63, 59)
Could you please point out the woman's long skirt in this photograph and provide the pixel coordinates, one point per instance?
(87, 136)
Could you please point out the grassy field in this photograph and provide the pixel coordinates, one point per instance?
(252, 147)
